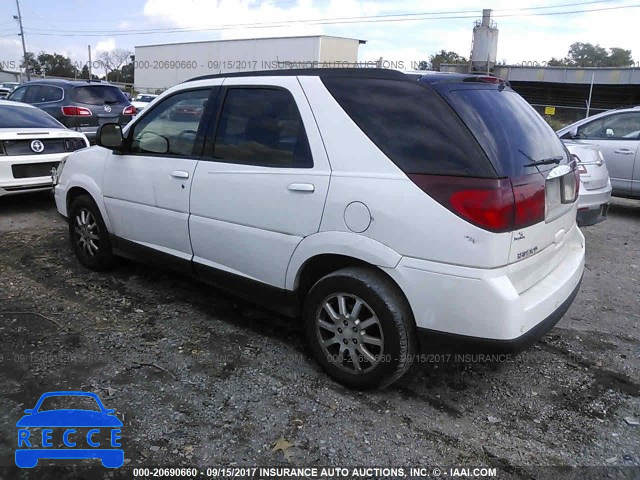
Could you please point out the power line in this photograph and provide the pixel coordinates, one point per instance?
(327, 21)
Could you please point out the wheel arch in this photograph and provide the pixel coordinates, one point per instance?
(323, 253)
(86, 186)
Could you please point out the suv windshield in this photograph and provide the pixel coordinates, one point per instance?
(510, 131)
(26, 117)
(98, 95)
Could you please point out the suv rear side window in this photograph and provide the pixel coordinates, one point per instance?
(262, 126)
(412, 125)
(98, 95)
(510, 131)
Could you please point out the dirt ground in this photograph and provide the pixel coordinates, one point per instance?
(200, 378)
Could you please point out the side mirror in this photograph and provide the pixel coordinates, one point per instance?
(609, 132)
(109, 136)
(29, 411)
(109, 411)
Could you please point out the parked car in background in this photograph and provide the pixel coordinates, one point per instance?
(142, 100)
(10, 85)
(5, 92)
(617, 134)
(595, 186)
(32, 142)
(79, 105)
(454, 220)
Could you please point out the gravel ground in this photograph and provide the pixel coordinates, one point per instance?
(203, 379)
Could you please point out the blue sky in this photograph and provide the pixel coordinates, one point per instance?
(68, 26)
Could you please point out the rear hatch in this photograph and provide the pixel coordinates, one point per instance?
(95, 104)
(525, 150)
(591, 167)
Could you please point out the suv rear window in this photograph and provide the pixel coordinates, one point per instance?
(510, 131)
(98, 95)
(412, 125)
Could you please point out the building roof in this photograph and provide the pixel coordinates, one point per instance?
(361, 42)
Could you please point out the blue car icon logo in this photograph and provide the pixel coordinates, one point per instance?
(69, 433)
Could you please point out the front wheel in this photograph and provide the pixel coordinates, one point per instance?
(360, 328)
(89, 236)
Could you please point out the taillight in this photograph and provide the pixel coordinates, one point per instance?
(73, 111)
(130, 110)
(497, 205)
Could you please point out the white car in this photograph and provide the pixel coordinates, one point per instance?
(386, 212)
(142, 100)
(595, 185)
(32, 143)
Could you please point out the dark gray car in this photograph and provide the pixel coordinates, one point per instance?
(79, 105)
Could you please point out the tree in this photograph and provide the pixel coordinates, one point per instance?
(619, 57)
(589, 55)
(113, 62)
(85, 73)
(445, 57)
(33, 67)
(424, 65)
(57, 65)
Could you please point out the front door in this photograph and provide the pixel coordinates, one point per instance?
(618, 136)
(147, 187)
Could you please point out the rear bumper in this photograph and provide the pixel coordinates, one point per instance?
(593, 205)
(448, 342)
(502, 305)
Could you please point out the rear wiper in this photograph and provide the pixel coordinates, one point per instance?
(544, 161)
(111, 102)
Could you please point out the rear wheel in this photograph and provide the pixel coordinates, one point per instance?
(360, 328)
(89, 236)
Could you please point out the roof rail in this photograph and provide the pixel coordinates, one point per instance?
(380, 73)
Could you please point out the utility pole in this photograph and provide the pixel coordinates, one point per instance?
(90, 64)
(24, 47)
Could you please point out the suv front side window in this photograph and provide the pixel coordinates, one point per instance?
(262, 126)
(620, 126)
(171, 126)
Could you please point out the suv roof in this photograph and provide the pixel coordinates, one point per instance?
(60, 82)
(375, 73)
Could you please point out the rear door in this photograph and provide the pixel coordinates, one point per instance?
(263, 181)
(618, 136)
(146, 188)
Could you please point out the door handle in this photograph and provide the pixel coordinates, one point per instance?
(180, 174)
(624, 151)
(302, 187)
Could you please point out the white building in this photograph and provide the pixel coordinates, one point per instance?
(162, 66)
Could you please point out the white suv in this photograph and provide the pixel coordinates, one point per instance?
(388, 213)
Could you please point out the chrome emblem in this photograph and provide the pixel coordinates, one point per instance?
(37, 146)
(107, 108)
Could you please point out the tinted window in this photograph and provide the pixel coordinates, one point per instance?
(98, 95)
(26, 117)
(172, 125)
(45, 93)
(412, 125)
(510, 131)
(33, 94)
(621, 126)
(18, 94)
(261, 126)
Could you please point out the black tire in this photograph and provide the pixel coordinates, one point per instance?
(89, 236)
(394, 330)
